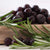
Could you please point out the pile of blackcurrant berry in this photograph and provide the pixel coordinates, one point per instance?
(9, 41)
(34, 14)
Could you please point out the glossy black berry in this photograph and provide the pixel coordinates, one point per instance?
(8, 41)
(17, 17)
(20, 13)
(27, 6)
(28, 41)
(20, 9)
(25, 16)
(36, 9)
(14, 41)
(32, 19)
(48, 20)
(41, 18)
(34, 13)
(44, 12)
(28, 12)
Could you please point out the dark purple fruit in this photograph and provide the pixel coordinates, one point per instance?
(27, 6)
(41, 18)
(48, 20)
(28, 12)
(44, 12)
(32, 19)
(14, 41)
(20, 38)
(25, 16)
(34, 13)
(36, 9)
(16, 17)
(20, 9)
(8, 41)
(20, 13)
(28, 41)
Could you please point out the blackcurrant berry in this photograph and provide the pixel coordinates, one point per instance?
(41, 18)
(36, 9)
(14, 41)
(20, 13)
(20, 9)
(8, 41)
(28, 12)
(16, 17)
(32, 19)
(44, 12)
(27, 6)
(48, 20)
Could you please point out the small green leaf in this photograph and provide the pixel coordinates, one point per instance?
(20, 42)
(6, 15)
(25, 34)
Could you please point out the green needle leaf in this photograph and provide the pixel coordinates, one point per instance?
(8, 18)
(26, 34)
(42, 31)
(46, 29)
(20, 42)
(14, 30)
(20, 27)
(6, 15)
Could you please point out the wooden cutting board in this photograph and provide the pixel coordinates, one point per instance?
(7, 32)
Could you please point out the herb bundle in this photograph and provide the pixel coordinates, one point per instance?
(39, 39)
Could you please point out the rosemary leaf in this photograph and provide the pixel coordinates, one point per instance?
(25, 34)
(42, 31)
(20, 27)
(20, 22)
(46, 29)
(8, 18)
(6, 15)
(20, 42)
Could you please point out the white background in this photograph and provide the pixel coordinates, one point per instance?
(8, 5)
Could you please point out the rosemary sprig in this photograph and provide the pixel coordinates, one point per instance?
(20, 27)
(20, 22)
(46, 29)
(27, 26)
(45, 36)
(11, 21)
(30, 27)
(6, 15)
(6, 19)
(42, 31)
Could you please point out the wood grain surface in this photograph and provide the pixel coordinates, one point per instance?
(7, 32)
